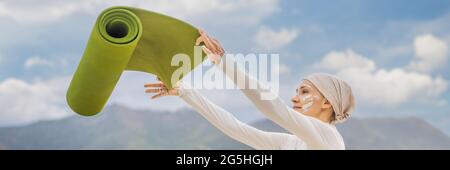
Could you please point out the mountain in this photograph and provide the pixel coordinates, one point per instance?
(393, 133)
(383, 133)
(119, 127)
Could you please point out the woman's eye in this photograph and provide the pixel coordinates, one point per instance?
(304, 91)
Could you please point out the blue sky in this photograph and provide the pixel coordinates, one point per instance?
(393, 53)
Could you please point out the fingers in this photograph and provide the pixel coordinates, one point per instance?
(215, 58)
(209, 44)
(217, 49)
(214, 46)
(206, 50)
(212, 56)
(220, 48)
(154, 85)
(160, 89)
(160, 92)
(199, 40)
(154, 90)
(158, 95)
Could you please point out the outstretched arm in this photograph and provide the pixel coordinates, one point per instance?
(224, 120)
(306, 128)
(316, 134)
(231, 126)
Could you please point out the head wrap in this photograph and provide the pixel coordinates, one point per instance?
(337, 92)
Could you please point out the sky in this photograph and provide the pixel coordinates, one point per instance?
(394, 54)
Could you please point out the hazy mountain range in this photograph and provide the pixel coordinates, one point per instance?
(119, 127)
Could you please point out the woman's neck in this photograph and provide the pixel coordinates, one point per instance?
(326, 116)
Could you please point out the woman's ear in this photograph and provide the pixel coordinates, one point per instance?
(326, 104)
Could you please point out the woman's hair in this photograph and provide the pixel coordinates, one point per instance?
(337, 92)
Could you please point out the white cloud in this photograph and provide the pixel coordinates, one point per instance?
(40, 12)
(270, 39)
(430, 53)
(53, 10)
(37, 61)
(393, 87)
(24, 102)
(348, 59)
(382, 87)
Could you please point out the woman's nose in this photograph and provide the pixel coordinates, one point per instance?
(295, 99)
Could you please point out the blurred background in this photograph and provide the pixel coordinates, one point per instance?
(395, 55)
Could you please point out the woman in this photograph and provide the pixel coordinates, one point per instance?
(320, 101)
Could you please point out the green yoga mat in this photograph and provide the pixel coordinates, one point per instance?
(126, 38)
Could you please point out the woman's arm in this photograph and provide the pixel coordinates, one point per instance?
(224, 120)
(316, 134)
(306, 128)
(229, 125)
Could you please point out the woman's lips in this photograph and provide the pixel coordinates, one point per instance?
(296, 107)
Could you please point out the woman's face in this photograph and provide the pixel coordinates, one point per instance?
(308, 100)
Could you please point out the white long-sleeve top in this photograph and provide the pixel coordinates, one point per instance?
(307, 132)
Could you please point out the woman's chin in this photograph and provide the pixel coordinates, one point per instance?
(298, 110)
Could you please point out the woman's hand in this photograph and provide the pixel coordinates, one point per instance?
(160, 90)
(212, 48)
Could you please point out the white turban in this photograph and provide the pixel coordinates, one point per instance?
(337, 92)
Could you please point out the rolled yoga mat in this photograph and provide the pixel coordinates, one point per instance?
(126, 38)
